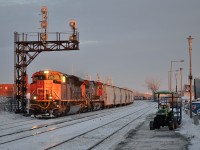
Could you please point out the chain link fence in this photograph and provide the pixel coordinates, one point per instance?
(7, 104)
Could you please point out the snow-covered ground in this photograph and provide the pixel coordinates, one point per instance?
(187, 128)
(191, 131)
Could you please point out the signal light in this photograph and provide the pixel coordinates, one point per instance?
(44, 9)
(44, 24)
(72, 24)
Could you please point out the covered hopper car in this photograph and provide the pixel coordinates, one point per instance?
(56, 94)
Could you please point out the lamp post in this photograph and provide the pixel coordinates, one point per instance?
(181, 71)
(176, 81)
(169, 74)
(170, 84)
(190, 76)
(181, 92)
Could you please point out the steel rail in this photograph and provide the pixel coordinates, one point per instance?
(65, 141)
(101, 114)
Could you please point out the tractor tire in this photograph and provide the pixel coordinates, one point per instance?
(152, 125)
(171, 125)
(179, 121)
(175, 123)
(156, 123)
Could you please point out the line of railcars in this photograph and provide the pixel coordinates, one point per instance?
(56, 94)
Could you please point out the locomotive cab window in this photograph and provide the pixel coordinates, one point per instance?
(54, 77)
(38, 77)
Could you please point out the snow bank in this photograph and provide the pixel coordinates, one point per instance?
(191, 131)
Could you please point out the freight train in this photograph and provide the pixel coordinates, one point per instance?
(55, 94)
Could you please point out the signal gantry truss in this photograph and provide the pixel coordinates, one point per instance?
(27, 46)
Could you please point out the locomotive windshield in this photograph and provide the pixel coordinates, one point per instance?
(39, 77)
(54, 77)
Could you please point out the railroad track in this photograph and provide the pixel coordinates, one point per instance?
(72, 142)
(47, 127)
(17, 124)
(33, 122)
(61, 124)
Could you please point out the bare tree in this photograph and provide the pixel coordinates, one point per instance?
(153, 85)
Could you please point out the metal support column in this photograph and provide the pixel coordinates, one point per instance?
(26, 50)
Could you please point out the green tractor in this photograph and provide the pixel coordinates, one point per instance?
(169, 111)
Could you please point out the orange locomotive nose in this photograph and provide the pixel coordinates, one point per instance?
(37, 90)
(52, 90)
(46, 90)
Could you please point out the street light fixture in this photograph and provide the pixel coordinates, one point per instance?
(170, 85)
(190, 76)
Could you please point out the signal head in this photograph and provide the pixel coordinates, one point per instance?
(72, 24)
(44, 9)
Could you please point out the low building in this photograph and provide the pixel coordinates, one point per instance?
(7, 90)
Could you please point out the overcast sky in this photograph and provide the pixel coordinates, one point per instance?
(128, 40)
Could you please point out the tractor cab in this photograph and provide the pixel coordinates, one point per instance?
(169, 111)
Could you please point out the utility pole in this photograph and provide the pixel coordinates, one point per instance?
(190, 76)
(181, 91)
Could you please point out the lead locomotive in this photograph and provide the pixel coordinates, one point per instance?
(55, 94)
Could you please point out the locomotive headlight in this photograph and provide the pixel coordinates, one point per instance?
(63, 79)
(34, 97)
(46, 71)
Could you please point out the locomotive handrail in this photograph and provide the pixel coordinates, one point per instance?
(40, 106)
(56, 94)
(52, 36)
